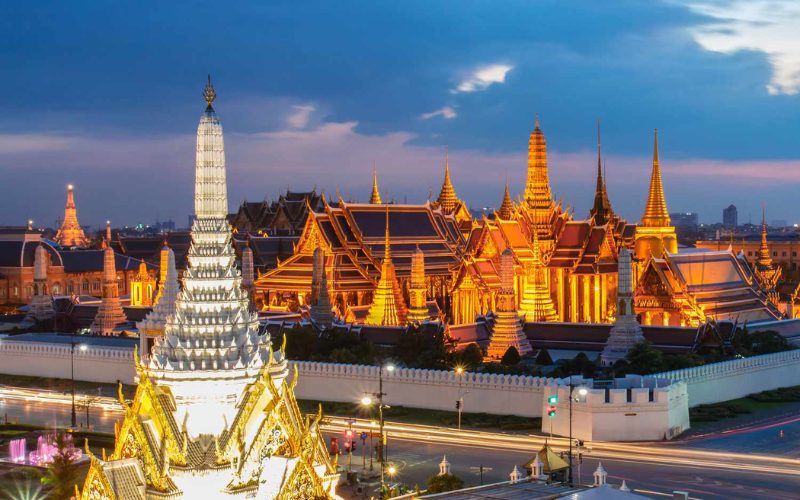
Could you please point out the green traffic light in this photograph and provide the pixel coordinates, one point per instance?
(552, 399)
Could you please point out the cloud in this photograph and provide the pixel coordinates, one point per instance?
(484, 77)
(336, 155)
(768, 26)
(447, 112)
(300, 116)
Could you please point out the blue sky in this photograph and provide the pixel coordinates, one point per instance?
(107, 95)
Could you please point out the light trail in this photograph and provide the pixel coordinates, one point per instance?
(672, 455)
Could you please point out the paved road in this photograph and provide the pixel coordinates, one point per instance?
(418, 460)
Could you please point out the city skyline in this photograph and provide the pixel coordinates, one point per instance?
(303, 118)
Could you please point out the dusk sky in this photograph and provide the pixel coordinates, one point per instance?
(107, 95)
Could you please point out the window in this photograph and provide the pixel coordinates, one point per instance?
(15, 290)
(774, 254)
(783, 254)
(56, 288)
(85, 287)
(794, 254)
(749, 253)
(96, 286)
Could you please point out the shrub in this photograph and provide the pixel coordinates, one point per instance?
(444, 482)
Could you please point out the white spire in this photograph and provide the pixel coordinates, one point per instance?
(517, 474)
(624, 486)
(600, 475)
(210, 188)
(444, 466)
(213, 336)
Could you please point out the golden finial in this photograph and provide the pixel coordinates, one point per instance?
(209, 94)
(536, 123)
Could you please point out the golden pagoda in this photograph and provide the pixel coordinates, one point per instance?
(507, 331)
(70, 234)
(375, 197)
(506, 211)
(417, 290)
(767, 272)
(655, 235)
(538, 198)
(447, 200)
(537, 304)
(388, 306)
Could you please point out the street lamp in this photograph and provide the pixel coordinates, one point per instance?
(367, 400)
(582, 392)
(460, 401)
(83, 348)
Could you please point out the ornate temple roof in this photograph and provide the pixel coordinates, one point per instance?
(353, 238)
(718, 285)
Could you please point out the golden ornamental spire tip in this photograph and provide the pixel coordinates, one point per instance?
(209, 94)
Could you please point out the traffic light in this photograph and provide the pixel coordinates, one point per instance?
(551, 411)
(553, 399)
(458, 404)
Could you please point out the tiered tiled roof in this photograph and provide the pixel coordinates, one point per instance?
(352, 236)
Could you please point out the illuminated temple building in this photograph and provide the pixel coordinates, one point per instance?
(565, 268)
(214, 415)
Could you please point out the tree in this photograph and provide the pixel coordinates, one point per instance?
(444, 482)
(763, 342)
(511, 357)
(62, 475)
(543, 357)
(301, 342)
(644, 359)
(471, 357)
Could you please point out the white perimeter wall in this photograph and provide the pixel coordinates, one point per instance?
(433, 389)
(45, 359)
(737, 378)
(619, 418)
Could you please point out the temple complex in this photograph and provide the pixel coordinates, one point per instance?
(70, 234)
(110, 314)
(565, 268)
(247, 437)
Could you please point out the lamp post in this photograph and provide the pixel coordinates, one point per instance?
(582, 392)
(460, 400)
(82, 347)
(367, 400)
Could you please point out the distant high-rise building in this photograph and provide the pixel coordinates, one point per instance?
(730, 217)
(685, 220)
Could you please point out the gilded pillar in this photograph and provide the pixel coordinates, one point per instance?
(560, 294)
(573, 298)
